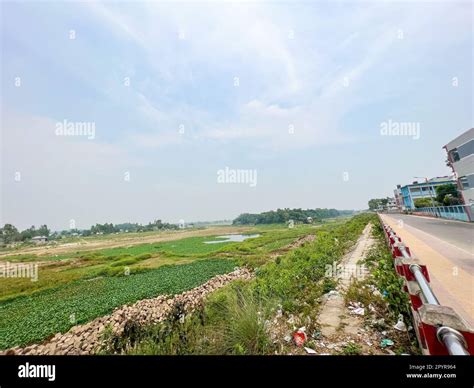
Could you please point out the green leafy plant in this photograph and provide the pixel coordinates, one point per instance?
(33, 318)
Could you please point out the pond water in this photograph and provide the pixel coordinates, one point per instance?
(232, 238)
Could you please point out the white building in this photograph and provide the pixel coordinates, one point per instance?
(461, 160)
(392, 204)
(39, 239)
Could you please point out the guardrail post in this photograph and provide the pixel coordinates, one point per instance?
(444, 331)
(440, 331)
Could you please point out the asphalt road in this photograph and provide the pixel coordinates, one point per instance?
(447, 249)
(457, 233)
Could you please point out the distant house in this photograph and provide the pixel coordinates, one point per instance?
(425, 189)
(392, 204)
(39, 239)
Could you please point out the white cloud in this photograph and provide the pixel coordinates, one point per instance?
(252, 41)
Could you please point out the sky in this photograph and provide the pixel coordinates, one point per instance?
(131, 111)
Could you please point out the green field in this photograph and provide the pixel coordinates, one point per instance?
(33, 318)
(92, 283)
(235, 320)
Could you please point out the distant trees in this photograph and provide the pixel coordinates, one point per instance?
(31, 232)
(103, 228)
(377, 203)
(280, 216)
(130, 227)
(10, 234)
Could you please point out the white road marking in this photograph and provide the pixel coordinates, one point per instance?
(443, 241)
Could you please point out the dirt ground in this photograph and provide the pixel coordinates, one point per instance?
(123, 240)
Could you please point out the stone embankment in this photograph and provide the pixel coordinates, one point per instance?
(88, 338)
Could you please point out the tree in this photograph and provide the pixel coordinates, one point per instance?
(423, 202)
(281, 216)
(29, 233)
(43, 231)
(447, 194)
(377, 203)
(449, 200)
(9, 234)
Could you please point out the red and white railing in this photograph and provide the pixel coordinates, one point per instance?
(439, 329)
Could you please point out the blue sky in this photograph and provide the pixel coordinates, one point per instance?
(333, 71)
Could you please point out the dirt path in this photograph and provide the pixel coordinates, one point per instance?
(343, 328)
(334, 314)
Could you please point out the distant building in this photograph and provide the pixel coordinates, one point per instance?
(392, 204)
(421, 190)
(398, 198)
(39, 239)
(461, 160)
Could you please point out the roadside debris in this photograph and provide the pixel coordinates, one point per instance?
(374, 290)
(279, 313)
(299, 336)
(356, 308)
(378, 323)
(386, 342)
(359, 311)
(400, 325)
(310, 351)
(316, 335)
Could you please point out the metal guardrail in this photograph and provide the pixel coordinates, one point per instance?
(454, 341)
(452, 212)
(425, 288)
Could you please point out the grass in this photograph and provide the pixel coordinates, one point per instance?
(235, 319)
(33, 318)
(104, 262)
(383, 275)
(192, 246)
(351, 349)
(391, 300)
(31, 311)
(232, 322)
(62, 269)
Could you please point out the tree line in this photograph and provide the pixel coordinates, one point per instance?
(280, 216)
(10, 234)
